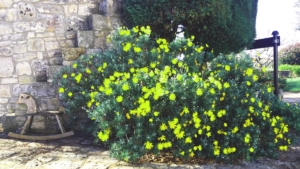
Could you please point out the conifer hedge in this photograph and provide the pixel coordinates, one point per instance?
(227, 25)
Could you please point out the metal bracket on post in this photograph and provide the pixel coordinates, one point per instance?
(270, 42)
(275, 49)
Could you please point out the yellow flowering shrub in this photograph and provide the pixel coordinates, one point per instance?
(143, 99)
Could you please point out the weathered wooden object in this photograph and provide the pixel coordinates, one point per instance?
(31, 112)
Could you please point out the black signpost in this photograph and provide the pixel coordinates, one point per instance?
(271, 42)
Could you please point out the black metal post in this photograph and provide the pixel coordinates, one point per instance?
(275, 43)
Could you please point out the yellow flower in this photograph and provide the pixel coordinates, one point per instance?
(249, 71)
(235, 130)
(88, 71)
(152, 64)
(248, 83)
(188, 140)
(283, 148)
(174, 61)
(208, 134)
(251, 149)
(135, 80)
(179, 77)
(269, 89)
(65, 76)
(127, 47)
(251, 109)
(252, 100)
(199, 92)
(212, 91)
(247, 138)
(156, 113)
(61, 90)
(255, 77)
(130, 61)
(264, 69)
(163, 127)
(226, 85)
(137, 49)
(125, 87)
(128, 116)
(78, 77)
(70, 94)
(227, 68)
(119, 99)
(148, 145)
(75, 65)
(172, 96)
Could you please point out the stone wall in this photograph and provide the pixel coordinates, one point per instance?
(38, 37)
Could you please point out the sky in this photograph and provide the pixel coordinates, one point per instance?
(280, 15)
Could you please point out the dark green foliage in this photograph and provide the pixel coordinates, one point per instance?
(290, 55)
(227, 26)
(295, 69)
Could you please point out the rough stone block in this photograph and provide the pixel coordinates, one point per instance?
(70, 54)
(26, 11)
(100, 43)
(38, 26)
(67, 44)
(9, 123)
(21, 26)
(17, 36)
(9, 80)
(77, 23)
(71, 9)
(17, 89)
(55, 21)
(45, 34)
(50, 104)
(26, 79)
(23, 68)
(20, 48)
(2, 107)
(51, 45)
(83, 9)
(85, 39)
(42, 89)
(41, 76)
(55, 53)
(36, 45)
(68, 63)
(3, 100)
(50, 9)
(5, 91)
(5, 43)
(5, 29)
(6, 50)
(30, 56)
(56, 61)
(98, 22)
(39, 65)
(111, 7)
(6, 67)
(52, 71)
(6, 3)
(8, 15)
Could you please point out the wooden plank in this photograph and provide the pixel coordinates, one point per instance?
(27, 124)
(62, 129)
(36, 138)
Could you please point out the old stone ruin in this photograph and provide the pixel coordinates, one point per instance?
(38, 38)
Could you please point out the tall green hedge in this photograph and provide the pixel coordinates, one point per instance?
(227, 25)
